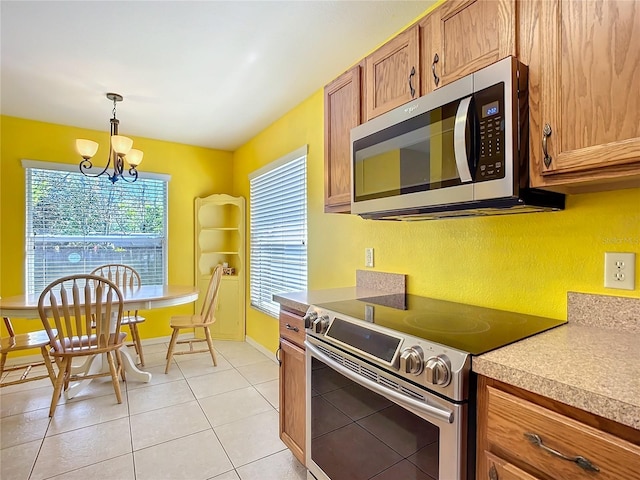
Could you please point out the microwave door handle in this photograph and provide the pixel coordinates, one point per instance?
(459, 142)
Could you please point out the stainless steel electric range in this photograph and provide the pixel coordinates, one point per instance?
(391, 393)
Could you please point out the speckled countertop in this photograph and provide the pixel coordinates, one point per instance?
(591, 363)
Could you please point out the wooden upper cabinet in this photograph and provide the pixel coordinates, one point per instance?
(589, 96)
(392, 73)
(462, 36)
(342, 112)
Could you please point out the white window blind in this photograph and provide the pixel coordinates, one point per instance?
(278, 230)
(75, 223)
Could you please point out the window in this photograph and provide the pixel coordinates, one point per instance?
(278, 230)
(76, 223)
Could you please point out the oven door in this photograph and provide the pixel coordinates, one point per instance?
(364, 423)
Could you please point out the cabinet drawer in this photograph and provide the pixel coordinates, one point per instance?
(292, 327)
(512, 420)
(499, 469)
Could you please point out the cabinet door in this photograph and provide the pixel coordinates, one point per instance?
(229, 324)
(469, 35)
(590, 61)
(392, 73)
(292, 398)
(429, 48)
(342, 112)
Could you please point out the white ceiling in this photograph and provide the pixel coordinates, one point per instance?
(207, 73)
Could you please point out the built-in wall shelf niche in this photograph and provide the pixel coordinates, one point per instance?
(220, 239)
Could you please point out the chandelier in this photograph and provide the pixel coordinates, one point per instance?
(119, 151)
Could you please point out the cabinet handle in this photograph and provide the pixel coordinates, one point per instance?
(436, 78)
(289, 327)
(493, 473)
(579, 460)
(546, 133)
(411, 75)
(278, 355)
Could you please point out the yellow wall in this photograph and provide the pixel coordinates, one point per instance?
(525, 263)
(194, 172)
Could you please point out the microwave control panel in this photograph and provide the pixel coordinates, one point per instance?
(491, 139)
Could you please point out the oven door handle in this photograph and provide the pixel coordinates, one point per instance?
(402, 400)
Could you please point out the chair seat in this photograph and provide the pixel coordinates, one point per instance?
(188, 321)
(88, 345)
(128, 320)
(25, 341)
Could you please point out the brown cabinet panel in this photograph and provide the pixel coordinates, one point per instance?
(590, 76)
(292, 327)
(429, 48)
(342, 112)
(292, 398)
(511, 421)
(472, 34)
(392, 73)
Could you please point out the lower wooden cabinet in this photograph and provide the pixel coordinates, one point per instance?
(523, 436)
(292, 383)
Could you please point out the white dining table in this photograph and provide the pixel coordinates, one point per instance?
(146, 297)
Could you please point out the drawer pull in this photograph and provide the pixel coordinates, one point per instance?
(289, 327)
(493, 473)
(278, 355)
(579, 460)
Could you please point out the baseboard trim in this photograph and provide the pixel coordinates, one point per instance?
(261, 348)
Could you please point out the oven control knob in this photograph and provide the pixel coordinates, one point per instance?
(412, 360)
(438, 370)
(321, 324)
(309, 318)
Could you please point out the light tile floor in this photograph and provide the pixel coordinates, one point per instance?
(197, 422)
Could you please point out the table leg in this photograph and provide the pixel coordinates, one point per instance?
(92, 365)
(130, 368)
(98, 364)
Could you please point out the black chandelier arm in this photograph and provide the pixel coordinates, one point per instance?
(86, 165)
(133, 173)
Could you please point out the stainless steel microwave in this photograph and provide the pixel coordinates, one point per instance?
(461, 150)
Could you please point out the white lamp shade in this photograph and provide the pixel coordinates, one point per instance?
(86, 148)
(121, 145)
(134, 157)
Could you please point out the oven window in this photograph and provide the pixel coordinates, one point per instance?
(357, 434)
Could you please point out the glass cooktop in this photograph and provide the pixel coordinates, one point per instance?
(469, 328)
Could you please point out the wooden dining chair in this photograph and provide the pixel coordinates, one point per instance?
(25, 341)
(125, 277)
(203, 320)
(85, 312)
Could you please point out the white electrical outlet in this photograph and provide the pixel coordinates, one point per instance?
(368, 257)
(620, 270)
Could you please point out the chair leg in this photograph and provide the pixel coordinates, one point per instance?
(3, 359)
(207, 334)
(63, 371)
(47, 362)
(114, 377)
(135, 335)
(172, 344)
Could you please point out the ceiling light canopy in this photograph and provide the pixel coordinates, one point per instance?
(119, 151)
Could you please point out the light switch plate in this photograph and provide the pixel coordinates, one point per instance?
(619, 270)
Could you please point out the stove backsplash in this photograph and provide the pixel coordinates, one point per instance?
(384, 282)
(604, 311)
